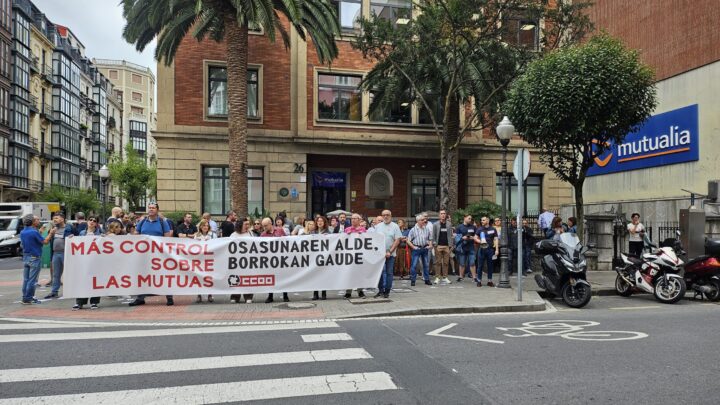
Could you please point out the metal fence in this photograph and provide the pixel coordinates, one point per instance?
(661, 230)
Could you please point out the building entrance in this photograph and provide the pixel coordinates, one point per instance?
(329, 191)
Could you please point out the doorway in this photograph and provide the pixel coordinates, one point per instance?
(329, 192)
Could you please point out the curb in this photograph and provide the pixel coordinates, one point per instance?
(452, 311)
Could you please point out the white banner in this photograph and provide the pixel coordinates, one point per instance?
(131, 265)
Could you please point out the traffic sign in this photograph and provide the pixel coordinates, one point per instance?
(522, 165)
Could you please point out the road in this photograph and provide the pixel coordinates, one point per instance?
(672, 358)
(10, 263)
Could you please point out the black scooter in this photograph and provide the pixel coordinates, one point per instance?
(564, 269)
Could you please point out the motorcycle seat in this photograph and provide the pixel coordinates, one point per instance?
(634, 259)
(696, 260)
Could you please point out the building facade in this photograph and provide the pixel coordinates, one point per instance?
(135, 86)
(312, 146)
(655, 178)
(6, 28)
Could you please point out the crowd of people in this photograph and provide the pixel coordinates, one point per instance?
(439, 248)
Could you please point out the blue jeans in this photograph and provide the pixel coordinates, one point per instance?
(420, 253)
(31, 271)
(386, 278)
(58, 262)
(485, 256)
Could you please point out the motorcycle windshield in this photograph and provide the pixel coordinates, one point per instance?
(570, 240)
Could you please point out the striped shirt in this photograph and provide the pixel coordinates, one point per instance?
(419, 237)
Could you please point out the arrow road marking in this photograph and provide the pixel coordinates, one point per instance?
(438, 332)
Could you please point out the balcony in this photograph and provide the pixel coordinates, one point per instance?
(34, 64)
(46, 113)
(47, 74)
(33, 105)
(33, 143)
(111, 147)
(46, 151)
(138, 117)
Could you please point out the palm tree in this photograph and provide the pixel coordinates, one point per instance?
(170, 21)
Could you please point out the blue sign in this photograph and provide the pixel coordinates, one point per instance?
(664, 139)
(329, 179)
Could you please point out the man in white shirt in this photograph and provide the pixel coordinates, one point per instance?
(391, 232)
(545, 220)
(637, 233)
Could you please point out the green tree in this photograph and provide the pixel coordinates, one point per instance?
(478, 210)
(170, 21)
(574, 102)
(132, 176)
(73, 200)
(455, 61)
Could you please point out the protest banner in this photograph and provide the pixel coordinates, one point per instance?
(131, 265)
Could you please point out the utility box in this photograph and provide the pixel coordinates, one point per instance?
(692, 230)
(714, 190)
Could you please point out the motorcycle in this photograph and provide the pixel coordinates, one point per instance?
(655, 272)
(564, 269)
(702, 274)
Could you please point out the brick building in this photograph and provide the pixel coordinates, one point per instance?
(687, 67)
(312, 146)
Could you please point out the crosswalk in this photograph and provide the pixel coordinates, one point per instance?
(167, 373)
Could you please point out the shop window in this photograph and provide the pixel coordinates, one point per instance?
(532, 193)
(339, 97)
(216, 190)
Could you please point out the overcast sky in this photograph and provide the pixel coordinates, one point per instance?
(98, 25)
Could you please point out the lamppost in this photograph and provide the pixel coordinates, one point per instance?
(104, 174)
(505, 131)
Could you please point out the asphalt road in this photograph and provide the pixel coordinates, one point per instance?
(654, 354)
(10, 263)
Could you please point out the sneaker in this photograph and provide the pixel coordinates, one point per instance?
(378, 295)
(49, 296)
(248, 301)
(446, 280)
(36, 301)
(93, 306)
(459, 280)
(347, 296)
(136, 303)
(490, 284)
(268, 300)
(386, 295)
(412, 284)
(76, 307)
(478, 283)
(25, 302)
(427, 282)
(436, 281)
(529, 271)
(361, 294)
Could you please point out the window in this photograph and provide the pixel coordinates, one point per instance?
(348, 12)
(216, 190)
(217, 92)
(5, 59)
(4, 154)
(396, 11)
(138, 136)
(522, 32)
(113, 74)
(118, 94)
(339, 97)
(137, 79)
(4, 107)
(532, 192)
(424, 193)
(438, 106)
(137, 110)
(137, 97)
(399, 112)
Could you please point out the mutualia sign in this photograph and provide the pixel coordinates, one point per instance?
(664, 139)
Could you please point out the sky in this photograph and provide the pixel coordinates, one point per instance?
(98, 25)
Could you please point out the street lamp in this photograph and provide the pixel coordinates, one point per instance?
(104, 174)
(505, 131)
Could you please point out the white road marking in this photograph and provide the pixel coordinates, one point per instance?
(161, 332)
(326, 337)
(631, 308)
(160, 323)
(28, 326)
(227, 392)
(161, 366)
(438, 332)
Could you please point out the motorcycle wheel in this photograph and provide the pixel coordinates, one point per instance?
(671, 291)
(576, 297)
(622, 287)
(714, 296)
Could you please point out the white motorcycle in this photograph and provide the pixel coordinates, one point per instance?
(655, 272)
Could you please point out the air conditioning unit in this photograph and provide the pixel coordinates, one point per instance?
(714, 190)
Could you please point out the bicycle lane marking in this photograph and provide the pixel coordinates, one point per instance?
(573, 330)
(438, 332)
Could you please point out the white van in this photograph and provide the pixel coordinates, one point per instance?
(11, 222)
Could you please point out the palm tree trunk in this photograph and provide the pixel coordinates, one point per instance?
(449, 158)
(237, 45)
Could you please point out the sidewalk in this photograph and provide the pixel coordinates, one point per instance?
(456, 298)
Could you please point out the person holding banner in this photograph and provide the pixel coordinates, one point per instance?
(204, 233)
(322, 229)
(392, 235)
(354, 227)
(153, 225)
(242, 230)
(269, 231)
